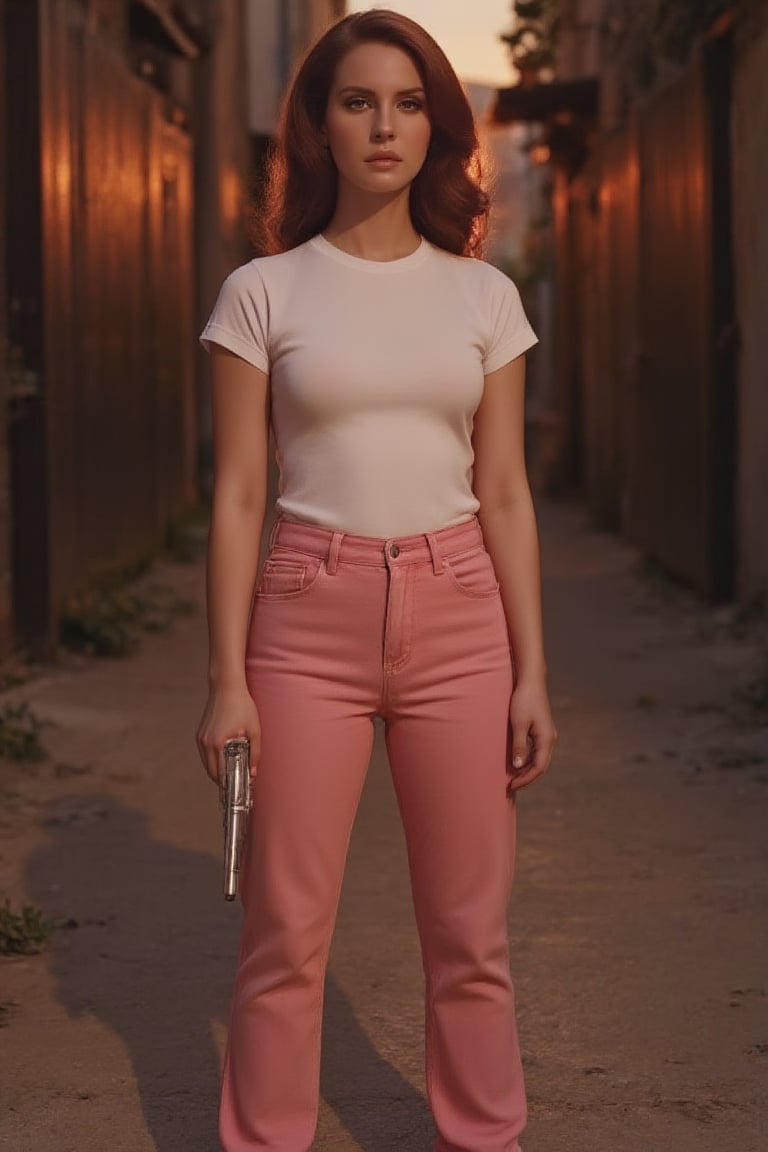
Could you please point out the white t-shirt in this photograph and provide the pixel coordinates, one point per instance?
(376, 371)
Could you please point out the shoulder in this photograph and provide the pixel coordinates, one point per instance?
(476, 273)
(262, 271)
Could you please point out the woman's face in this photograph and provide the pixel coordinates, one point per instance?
(377, 104)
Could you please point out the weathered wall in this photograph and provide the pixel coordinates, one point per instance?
(98, 255)
(750, 189)
(117, 225)
(223, 174)
(645, 321)
(5, 507)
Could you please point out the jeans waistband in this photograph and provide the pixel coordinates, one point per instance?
(377, 551)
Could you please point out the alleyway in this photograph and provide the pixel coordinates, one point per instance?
(638, 927)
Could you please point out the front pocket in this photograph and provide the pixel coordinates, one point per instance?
(283, 577)
(473, 572)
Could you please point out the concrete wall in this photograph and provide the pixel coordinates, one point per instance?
(750, 190)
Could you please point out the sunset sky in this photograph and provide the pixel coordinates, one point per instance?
(466, 29)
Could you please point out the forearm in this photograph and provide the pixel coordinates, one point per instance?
(512, 540)
(233, 560)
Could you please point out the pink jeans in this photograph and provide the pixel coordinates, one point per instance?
(411, 628)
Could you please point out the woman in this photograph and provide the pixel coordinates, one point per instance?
(400, 581)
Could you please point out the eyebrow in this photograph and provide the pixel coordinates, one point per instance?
(370, 91)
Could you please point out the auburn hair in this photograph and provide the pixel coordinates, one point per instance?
(448, 203)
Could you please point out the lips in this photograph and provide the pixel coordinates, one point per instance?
(382, 156)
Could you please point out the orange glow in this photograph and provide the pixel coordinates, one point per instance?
(540, 154)
(230, 196)
(63, 172)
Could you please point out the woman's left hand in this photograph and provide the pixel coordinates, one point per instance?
(532, 734)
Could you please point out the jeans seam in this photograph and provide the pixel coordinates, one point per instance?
(317, 1038)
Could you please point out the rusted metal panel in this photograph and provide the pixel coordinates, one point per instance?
(114, 460)
(26, 428)
(750, 175)
(172, 278)
(6, 618)
(598, 277)
(569, 389)
(618, 248)
(681, 498)
(134, 459)
(603, 219)
(101, 260)
(646, 335)
(605, 209)
(61, 102)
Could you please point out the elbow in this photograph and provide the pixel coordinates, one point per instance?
(240, 498)
(503, 499)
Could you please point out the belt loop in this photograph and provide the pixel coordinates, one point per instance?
(273, 533)
(437, 557)
(333, 553)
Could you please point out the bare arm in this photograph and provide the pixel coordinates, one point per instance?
(240, 407)
(508, 522)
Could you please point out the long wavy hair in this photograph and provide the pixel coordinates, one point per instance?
(448, 202)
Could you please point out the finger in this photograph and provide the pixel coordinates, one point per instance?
(212, 765)
(542, 753)
(521, 747)
(523, 779)
(537, 766)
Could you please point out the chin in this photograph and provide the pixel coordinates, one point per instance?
(383, 181)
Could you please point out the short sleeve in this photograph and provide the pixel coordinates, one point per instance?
(510, 333)
(240, 318)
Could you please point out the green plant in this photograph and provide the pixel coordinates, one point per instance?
(20, 733)
(101, 623)
(533, 38)
(659, 32)
(22, 933)
(679, 23)
(109, 621)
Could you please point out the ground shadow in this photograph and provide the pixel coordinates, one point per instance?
(151, 953)
(380, 1109)
(151, 956)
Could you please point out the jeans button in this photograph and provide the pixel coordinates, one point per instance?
(394, 551)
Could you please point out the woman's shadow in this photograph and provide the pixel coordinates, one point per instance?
(150, 952)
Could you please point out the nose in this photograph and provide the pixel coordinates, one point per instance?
(382, 127)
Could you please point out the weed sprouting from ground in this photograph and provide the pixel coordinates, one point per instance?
(109, 622)
(20, 733)
(22, 933)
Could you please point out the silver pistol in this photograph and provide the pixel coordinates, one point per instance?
(236, 802)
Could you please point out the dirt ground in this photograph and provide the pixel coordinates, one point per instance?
(638, 926)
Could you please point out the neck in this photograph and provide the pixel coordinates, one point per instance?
(373, 229)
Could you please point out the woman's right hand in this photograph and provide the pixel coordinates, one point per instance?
(229, 712)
